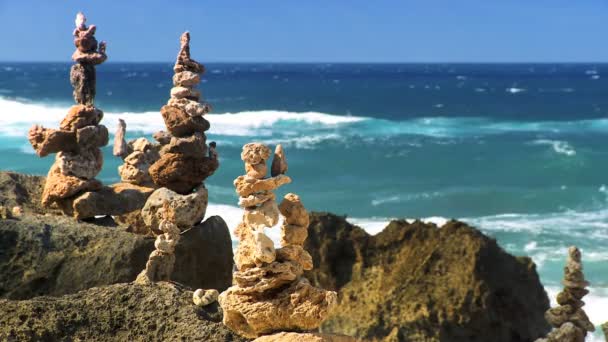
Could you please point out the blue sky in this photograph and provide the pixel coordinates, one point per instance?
(315, 30)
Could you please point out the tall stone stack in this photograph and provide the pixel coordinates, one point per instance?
(185, 160)
(138, 155)
(269, 293)
(569, 319)
(78, 140)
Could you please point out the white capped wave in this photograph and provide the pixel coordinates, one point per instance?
(560, 147)
(303, 129)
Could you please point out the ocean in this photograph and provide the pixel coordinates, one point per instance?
(517, 150)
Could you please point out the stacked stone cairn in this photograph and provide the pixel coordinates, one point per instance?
(137, 155)
(569, 320)
(78, 140)
(270, 294)
(184, 161)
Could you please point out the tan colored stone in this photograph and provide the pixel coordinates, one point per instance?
(279, 162)
(296, 254)
(192, 108)
(141, 144)
(245, 254)
(255, 153)
(135, 169)
(304, 337)
(266, 215)
(184, 62)
(180, 124)
(297, 307)
(293, 235)
(292, 208)
(256, 199)
(17, 211)
(246, 186)
(185, 93)
(120, 145)
(186, 79)
(162, 137)
(117, 199)
(80, 116)
(266, 277)
(257, 171)
(190, 209)
(46, 140)
(84, 164)
(202, 297)
(59, 186)
(264, 248)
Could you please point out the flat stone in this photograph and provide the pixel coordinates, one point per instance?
(246, 186)
(180, 124)
(80, 116)
(270, 276)
(186, 79)
(190, 209)
(296, 254)
(256, 199)
(117, 199)
(192, 108)
(185, 93)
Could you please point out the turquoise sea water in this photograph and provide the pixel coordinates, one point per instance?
(517, 150)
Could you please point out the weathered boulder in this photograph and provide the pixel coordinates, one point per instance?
(54, 255)
(423, 283)
(116, 199)
(121, 312)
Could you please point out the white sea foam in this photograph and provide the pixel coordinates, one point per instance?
(596, 303)
(560, 147)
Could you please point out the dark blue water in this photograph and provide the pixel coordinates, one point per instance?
(519, 150)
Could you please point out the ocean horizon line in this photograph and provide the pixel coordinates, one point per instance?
(332, 62)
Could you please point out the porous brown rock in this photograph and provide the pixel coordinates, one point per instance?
(181, 173)
(80, 135)
(279, 163)
(123, 312)
(269, 294)
(569, 319)
(419, 282)
(180, 124)
(138, 155)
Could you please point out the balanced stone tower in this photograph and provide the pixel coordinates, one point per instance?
(183, 162)
(78, 140)
(269, 293)
(569, 319)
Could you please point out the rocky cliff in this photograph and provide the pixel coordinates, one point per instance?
(54, 255)
(419, 282)
(121, 312)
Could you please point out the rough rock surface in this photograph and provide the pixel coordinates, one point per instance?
(54, 255)
(121, 312)
(21, 190)
(605, 329)
(190, 209)
(304, 337)
(422, 283)
(117, 199)
(182, 173)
